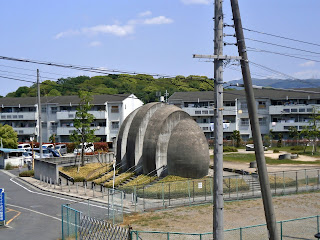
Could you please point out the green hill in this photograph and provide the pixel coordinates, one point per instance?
(144, 87)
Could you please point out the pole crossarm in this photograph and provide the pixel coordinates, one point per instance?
(219, 57)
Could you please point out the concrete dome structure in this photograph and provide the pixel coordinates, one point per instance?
(188, 150)
(162, 139)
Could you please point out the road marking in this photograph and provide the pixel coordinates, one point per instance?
(27, 209)
(15, 216)
(61, 198)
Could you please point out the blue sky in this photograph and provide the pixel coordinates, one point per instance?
(150, 36)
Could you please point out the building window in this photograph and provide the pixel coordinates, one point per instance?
(3, 117)
(245, 121)
(115, 125)
(262, 121)
(197, 112)
(294, 110)
(205, 128)
(262, 104)
(286, 110)
(54, 110)
(243, 105)
(302, 109)
(70, 115)
(43, 109)
(309, 109)
(14, 116)
(211, 112)
(229, 104)
(114, 109)
(204, 112)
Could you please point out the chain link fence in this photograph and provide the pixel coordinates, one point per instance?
(300, 228)
(160, 195)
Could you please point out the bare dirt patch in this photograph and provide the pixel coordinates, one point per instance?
(198, 219)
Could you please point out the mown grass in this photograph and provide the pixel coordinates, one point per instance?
(98, 172)
(246, 158)
(119, 179)
(105, 178)
(141, 179)
(72, 171)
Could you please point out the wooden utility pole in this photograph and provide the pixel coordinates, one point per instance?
(255, 128)
(39, 117)
(218, 120)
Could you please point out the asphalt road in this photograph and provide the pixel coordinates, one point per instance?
(33, 214)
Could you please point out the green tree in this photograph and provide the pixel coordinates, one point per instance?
(294, 133)
(279, 143)
(312, 132)
(236, 137)
(82, 122)
(9, 136)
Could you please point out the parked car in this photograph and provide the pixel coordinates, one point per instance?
(25, 146)
(49, 145)
(45, 153)
(61, 148)
(250, 147)
(54, 152)
(88, 148)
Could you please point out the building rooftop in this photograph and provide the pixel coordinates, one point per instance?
(231, 95)
(60, 100)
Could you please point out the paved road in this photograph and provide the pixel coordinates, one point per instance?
(33, 214)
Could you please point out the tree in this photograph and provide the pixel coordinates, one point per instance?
(9, 136)
(82, 122)
(312, 132)
(236, 137)
(294, 133)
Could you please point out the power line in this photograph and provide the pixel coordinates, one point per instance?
(278, 36)
(83, 68)
(16, 79)
(279, 45)
(282, 54)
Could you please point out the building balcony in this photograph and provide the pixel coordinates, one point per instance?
(18, 116)
(203, 111)
(69, 130)
(25, 130)
(71, 115)
(292, 109)
(285, 126)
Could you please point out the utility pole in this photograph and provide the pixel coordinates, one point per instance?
(39, 116)
(218, 121)
(255, 128)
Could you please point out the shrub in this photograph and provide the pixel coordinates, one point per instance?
(297, 148)
(28, 173)
(276, 151)
(101, 146)
(70, 147)
(9, 166)
(229, 149)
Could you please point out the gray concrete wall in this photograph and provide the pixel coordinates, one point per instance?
(157, 136)
(136, 134)
(121, 156)
(46, 169)
(188, 151)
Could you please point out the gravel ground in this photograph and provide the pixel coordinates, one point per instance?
(198, 219)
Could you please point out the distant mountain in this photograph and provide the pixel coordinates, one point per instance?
(280, 83)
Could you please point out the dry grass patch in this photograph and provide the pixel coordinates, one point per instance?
(72, 171)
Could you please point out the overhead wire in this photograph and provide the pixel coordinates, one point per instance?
(282, 37)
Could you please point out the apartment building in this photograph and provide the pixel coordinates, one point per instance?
(57, 114)
(277, 110)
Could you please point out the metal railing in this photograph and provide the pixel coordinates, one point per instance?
(159, 195)
(299, 228)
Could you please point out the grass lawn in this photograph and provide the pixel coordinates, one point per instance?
(246, 158)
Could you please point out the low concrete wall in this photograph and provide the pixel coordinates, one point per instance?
(49, 167)
(46, 169)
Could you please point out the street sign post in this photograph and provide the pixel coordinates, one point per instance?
(2, 207)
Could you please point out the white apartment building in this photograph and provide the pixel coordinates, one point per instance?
(57, 114)
(277, 110)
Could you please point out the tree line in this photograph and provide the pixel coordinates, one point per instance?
(145, 87)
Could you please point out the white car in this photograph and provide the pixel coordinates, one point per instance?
(25, 146)
(88, 148)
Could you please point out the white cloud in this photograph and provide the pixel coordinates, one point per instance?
(307, 64)
(144, 14)
(188, 2)
(308, 74)
(158, 20)
(116, 29)
(95, 44)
